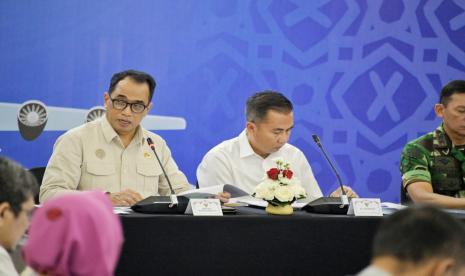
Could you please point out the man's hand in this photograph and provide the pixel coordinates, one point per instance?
(223, 196)
(127, 197)
(348, 190)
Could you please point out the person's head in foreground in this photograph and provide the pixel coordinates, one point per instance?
(17, 190)
(74, 234)
(420, 240)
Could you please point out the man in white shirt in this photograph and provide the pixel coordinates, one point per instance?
(17, 190)
(243, 160)
(419, 240)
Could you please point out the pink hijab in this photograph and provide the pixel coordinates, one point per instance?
(74, 234)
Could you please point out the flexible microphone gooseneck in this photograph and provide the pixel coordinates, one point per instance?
(318, 143)
(328, 205)
(344, 199)
(173, 197)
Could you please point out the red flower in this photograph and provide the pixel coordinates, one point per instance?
(273, 173)
(288, 173)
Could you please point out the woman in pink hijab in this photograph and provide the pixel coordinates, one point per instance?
(74, 234)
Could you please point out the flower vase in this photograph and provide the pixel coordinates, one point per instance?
(284, 210)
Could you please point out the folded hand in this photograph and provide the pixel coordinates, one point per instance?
(348, 190)
(223, 196)
(127, 197)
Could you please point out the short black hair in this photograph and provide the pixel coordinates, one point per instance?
(137, 76)
(260, 103)
(453, 87)
(419, 233)
(17, 184)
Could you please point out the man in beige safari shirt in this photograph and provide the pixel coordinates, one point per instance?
(111, 154)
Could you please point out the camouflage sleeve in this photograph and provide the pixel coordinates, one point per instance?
(414, 164)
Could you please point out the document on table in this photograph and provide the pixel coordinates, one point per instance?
(214, 190)
(455, 212)
(122, 210)
(389, 207)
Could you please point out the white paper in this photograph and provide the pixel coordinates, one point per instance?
(392, 205)
(208, 190)
(252, 201)
(235, 202)
(122, 210)
(389, 207)
(454, 211)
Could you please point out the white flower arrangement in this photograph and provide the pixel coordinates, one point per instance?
(279, 187)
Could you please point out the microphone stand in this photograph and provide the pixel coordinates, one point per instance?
(344, 198)
(173, 197)
(328, 205)
(161, 204)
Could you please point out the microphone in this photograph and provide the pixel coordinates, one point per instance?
(344, 198)
(328, 205)
(161, 204)
(173, 197)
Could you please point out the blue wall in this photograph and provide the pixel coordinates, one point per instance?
(364, 75)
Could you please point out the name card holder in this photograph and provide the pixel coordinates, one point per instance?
(365, 207)
(204, 207)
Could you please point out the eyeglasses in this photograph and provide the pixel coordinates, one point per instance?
(121, 105)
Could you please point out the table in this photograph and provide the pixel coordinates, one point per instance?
(248, 243)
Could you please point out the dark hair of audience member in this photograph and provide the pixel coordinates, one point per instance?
(419, 233)
(17, 184)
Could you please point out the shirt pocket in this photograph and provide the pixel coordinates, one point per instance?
(100, 175)
(149, 175)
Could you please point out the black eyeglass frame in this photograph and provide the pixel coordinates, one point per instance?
(131, 105)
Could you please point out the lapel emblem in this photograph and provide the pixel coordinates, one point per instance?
(100, 153)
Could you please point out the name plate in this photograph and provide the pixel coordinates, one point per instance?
(204, 207)
(366, 207)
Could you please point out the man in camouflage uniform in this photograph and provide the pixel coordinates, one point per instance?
(433, 166)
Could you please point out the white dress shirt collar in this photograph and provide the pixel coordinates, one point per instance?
(245, 149)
